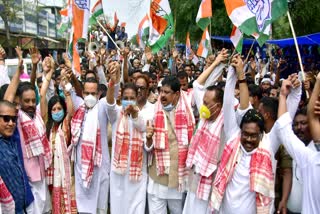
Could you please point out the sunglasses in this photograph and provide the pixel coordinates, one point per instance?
(7, 118)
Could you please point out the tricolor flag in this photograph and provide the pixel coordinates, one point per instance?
(236, 38)
(80, 21)
(143, 31)
(204, 14)
(65, 23)
(254, 17)
(205, 45)
(188, 47)
(161, 24)
(96, 11)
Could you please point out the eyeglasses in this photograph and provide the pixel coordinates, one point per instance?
(142, 88)
(7, 118)
(253, 137)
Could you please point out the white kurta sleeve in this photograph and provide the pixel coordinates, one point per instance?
(230, 122)
(293, 101)
(295, 147)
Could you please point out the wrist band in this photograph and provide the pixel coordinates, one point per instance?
(110, 84)
(242, 81)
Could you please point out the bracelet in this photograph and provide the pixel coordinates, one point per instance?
(110, 84)
(47, 79)
(242, 81)
(1, 59)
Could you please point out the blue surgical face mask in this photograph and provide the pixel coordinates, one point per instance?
(168, 107)
(58, 116)
(61, 94)
(126, 103)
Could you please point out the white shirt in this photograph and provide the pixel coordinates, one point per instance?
(4, 78)
(238, 198)
(308, 162)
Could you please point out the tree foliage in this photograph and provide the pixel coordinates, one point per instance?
(305, 15)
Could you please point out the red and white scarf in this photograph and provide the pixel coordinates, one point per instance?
(91, 152)
(61, 192)
(184, 125)
(34, 136)
(6, 200)
(203, 154)
(261, 174)
(122, 147)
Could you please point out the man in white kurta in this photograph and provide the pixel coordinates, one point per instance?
(307, 159)
(129, 197)
(94, 199)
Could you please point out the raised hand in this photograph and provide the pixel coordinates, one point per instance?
(132, 110)
(19, 54)
(237, 63)
(35, 55)
(114, 71)
(67, 61)
(175, 54)
(222, 56)
(2, 53)
(149, 130)
(295, 82)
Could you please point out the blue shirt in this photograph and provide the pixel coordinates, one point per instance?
(13, 173)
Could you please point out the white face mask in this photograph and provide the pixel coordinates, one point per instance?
(90, 101)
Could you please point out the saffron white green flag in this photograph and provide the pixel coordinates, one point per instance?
(96, 10)
(253, 17)
(161, 24)
(236, 38)
(204, 14)
(188, 47)
(65, 23)
(143, 31)
(205, 45)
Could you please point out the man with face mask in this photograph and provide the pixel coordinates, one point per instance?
(208, 140)
(89, 144)
(173, 128)
(37, 154)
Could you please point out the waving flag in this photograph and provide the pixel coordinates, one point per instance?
(254, 17)
(143, 31)
(161, 24)
(66, 14)
(80, 21)
(236, 38)
(204, 14)
(188, 47)
(96, 11)
(205, 46)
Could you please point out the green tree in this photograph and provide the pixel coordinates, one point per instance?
(8, 12)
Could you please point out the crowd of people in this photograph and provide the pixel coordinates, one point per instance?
(137, 132)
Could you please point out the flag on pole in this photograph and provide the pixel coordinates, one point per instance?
(161, 24)
(80, 21)
(204, 14)
(188, 47)
(143, 31)
(96, 11)
(65, 23)
(236, 38)
(205, 44)
(254, 18)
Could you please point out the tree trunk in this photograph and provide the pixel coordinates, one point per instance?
(8, 37)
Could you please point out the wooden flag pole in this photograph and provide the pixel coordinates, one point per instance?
(296, 44)
(105, 30)
(246, 60)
